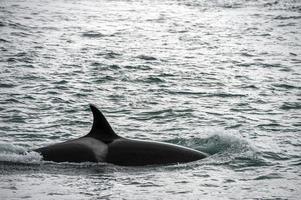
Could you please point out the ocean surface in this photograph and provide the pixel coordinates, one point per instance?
(219, 76)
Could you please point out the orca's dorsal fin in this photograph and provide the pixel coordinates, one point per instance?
(101, 128)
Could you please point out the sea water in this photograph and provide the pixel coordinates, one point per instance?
(219, 76)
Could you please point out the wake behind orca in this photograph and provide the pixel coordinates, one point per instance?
(102, 144)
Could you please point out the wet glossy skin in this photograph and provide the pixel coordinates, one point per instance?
(102, 144)
(85, 149)
(120, 152)
(137, 152)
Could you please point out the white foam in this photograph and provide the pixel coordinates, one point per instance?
(15, 153)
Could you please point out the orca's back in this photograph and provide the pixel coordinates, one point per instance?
(67, 153)
(137, 153)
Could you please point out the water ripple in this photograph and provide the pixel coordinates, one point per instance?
(169, 70)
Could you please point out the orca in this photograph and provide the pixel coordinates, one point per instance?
(102, 144)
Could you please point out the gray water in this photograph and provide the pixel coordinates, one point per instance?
(218, 76)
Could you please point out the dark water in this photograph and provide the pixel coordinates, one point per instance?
(222, 77)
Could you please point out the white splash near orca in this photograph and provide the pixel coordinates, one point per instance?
(102, 144)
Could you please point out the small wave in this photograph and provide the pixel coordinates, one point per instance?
(113, 67)
(153, 79)
(3, 40)
(93, 34)
(139, 67)
(269, 124)
(225, 95)
(108, 54)
(158, 114)
(287, 24)
(247, 55)
(162, 114)
(19, 26)
(268, 176)
(17, 154)
(21, 34)
(186, 92)
(269, 65)
(7, 85)
(269, 4)
(216, 143)
(274, 156)
(280, 17)
(286, 86)
(96, 64)
(145, 57)
(104, 79)
(225, 149)
(250, 87)
(293, 54)
(291, 106)
(296, 162)
(28, 157)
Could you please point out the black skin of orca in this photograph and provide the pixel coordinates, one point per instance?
(102, 144)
